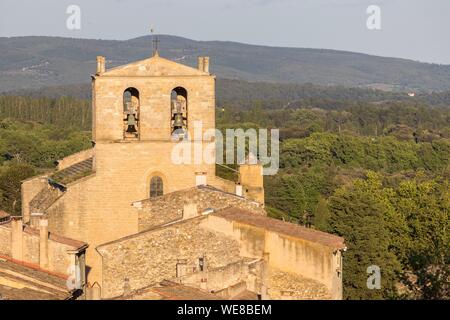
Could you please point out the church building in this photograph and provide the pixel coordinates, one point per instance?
(140, 226)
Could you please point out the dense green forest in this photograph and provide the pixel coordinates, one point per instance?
(377, 174)
(374, 172)
(62, 111)
(29, 148)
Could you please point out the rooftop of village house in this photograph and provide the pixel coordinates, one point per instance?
(21, 281)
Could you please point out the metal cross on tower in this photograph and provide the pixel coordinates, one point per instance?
(156, 42)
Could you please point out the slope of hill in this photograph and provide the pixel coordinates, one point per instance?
(33, 62)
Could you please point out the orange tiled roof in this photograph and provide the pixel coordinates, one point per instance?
(4, 214)
(57, 238)
(33, 282)
(285, 228)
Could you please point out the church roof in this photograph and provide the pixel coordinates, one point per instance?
(155, 66)
(281, 227)
(74, 244)
(74, 172)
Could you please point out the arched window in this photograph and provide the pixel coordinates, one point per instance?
(156, 187)
(179, 110)
(131, 106)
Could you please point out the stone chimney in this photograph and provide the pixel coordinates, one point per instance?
(181, 268)
(239, 190)
(100, 65)
(35, 219)
(203, 64)
(17, 238)
(252, 180)
(206, 64)
(126, 286)
(203, 264)
(43, 243)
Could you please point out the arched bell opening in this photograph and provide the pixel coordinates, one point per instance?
(179, 112)
(131, 108)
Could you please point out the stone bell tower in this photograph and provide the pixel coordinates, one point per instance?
(137, 110)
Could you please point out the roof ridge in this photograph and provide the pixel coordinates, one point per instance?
(156, 228)
(282, 227)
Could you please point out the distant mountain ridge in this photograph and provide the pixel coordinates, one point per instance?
(34, 62)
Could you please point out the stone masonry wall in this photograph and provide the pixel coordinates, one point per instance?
(29, 189)
(218, 278)
(152, 256)
(5, 240)
(223, 184)
(75, 158)
(58, 258)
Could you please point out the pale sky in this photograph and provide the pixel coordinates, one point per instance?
(413, 29)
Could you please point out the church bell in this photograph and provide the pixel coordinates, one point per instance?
(178, 121)
(131, 123)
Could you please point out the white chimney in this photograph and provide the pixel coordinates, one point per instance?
(200, 179)
(239, 190)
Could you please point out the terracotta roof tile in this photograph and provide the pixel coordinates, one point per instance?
(57, 238)
(4, 217)
(32, 283)
(4, 214)
(285, 228)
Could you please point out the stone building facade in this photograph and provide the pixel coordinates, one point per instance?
(38, 264)
(149, 218)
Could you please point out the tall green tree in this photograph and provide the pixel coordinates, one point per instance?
(425, 251)
(361, 214)
(11, 177)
